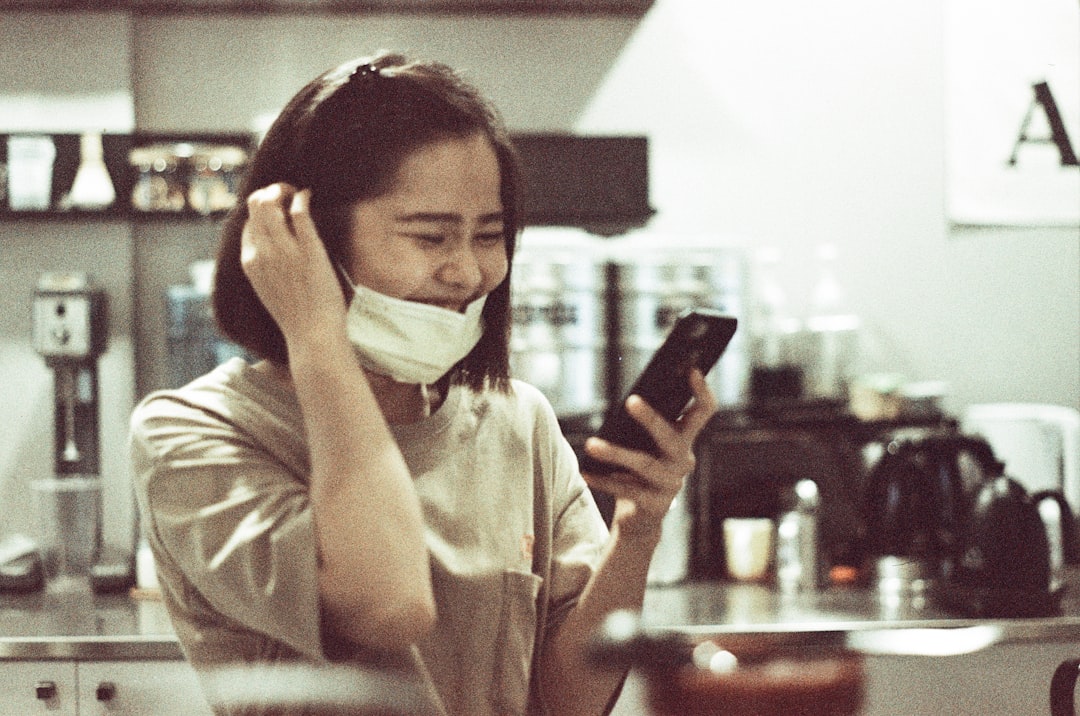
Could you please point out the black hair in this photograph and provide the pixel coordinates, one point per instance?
(344, 136)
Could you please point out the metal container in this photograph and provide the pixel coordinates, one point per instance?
(651, 290)
(797, 541)
(559, 337)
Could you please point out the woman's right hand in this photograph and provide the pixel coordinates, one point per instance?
(285, 260)
(374, 575)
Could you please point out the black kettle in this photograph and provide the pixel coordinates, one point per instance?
(1007, 564)
(918, 494)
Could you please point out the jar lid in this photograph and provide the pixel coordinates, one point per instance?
(218, 155)
(151, 154)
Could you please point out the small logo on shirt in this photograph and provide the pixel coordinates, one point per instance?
(527, 546)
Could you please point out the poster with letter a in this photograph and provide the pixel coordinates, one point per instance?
(1012, 103)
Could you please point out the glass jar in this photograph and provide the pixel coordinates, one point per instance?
(159, 185)
(213, 176)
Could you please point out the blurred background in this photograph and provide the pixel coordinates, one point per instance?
(776, 124)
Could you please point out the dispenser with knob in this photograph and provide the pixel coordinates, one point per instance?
(69, 332)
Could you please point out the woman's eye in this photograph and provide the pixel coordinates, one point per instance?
(428, 238)
(491, 237)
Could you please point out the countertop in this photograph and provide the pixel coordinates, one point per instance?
(848, 616)
(69, 622)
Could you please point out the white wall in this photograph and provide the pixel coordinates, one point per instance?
(63, 73)
(772, 123)
(791, 124)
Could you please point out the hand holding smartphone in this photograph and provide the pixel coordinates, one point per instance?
(697, 340)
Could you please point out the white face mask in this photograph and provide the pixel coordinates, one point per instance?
(409, 341)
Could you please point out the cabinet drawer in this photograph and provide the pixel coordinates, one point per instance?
(39, 687)
(137, 688)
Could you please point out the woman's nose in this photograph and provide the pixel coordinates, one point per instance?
(461, 268)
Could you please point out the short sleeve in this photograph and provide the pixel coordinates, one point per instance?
(229, 525)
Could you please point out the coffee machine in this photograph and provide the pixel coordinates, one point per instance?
(69, 333)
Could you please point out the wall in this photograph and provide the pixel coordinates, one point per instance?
(790, 124)
(79, 79)
(772, 123)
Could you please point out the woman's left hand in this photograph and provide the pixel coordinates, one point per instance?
(647, 483)
(644, 485)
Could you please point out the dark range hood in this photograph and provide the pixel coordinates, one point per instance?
(599, 183)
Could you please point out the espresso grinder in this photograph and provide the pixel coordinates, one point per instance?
(69, 332)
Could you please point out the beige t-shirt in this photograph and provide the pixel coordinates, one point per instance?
(221, 469)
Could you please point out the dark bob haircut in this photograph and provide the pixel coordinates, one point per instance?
(344, 136)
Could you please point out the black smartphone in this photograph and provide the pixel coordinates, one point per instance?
(698, 339)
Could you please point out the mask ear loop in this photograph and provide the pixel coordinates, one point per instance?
(425, 395)
(344, 275)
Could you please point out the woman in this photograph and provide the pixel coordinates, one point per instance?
(376, 488)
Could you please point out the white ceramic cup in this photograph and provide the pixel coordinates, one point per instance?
(748, 543)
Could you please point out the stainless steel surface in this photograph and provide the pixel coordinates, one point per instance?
(76, 624)
(68, 621)
(653, 285)
(559, 338)
(856, 618)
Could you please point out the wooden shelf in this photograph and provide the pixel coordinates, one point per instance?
(124, 175)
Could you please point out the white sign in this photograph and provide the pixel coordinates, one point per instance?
(1012, 102)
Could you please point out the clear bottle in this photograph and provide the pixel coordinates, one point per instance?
(832, 333)
(797, 541)
(93, 187)
(1050, 513)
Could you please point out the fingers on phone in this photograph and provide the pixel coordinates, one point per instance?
(704, 405)
(605, 452)
(625, 462)
(646, 416)
(617, 484)
(619, 480)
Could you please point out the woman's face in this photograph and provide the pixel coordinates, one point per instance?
(437, 235)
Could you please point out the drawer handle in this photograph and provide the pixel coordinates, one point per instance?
(45, 690)
(106, 691)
